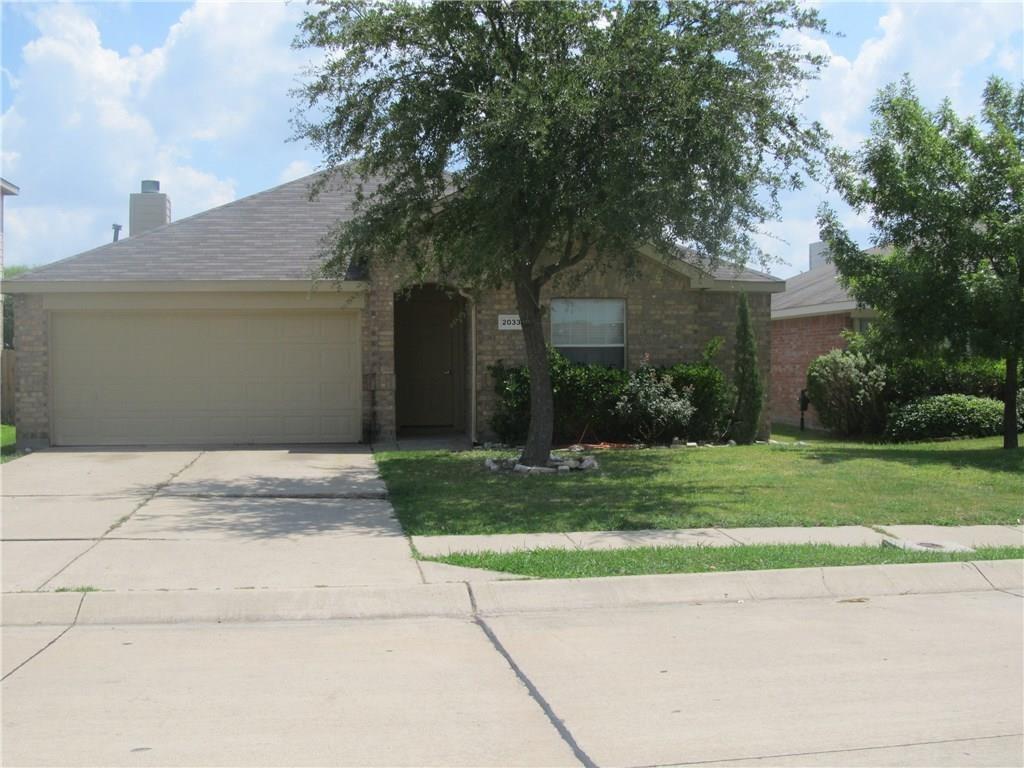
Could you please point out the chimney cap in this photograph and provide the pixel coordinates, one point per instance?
(150, 185)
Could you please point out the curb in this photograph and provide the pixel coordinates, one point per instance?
(507, 597)
(464, 600)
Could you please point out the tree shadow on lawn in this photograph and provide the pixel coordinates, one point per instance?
(436, 496)
(986, 459)
(634, 510)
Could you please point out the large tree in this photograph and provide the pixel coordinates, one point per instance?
(502, 143)
(945, 197)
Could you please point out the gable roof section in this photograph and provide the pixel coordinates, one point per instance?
(275, 235)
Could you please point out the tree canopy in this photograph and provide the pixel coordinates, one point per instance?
(501, 143)
(945, 196)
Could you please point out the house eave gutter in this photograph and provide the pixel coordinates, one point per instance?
(26, 286)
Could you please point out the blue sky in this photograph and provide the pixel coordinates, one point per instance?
(96, 97)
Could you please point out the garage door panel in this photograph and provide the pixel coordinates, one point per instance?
(205, 377)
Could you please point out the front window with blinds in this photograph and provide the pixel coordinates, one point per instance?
(590, 331)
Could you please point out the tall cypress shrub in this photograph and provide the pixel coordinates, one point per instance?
(749, 388)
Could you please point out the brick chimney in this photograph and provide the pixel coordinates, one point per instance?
(148, 209)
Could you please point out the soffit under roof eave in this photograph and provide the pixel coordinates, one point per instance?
(834, 308)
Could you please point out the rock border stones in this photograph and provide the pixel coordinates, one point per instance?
(557, 465)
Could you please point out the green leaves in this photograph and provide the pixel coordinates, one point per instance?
(747, 378)
(946, 199)
(496, 134)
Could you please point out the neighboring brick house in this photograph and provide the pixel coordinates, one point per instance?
(808, 320)
(213, 330)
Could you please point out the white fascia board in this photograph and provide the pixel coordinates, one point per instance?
(180, 286)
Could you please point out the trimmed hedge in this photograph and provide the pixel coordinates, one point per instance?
(946, 416)
(587, 397)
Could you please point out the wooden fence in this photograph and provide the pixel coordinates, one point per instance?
(7, 363)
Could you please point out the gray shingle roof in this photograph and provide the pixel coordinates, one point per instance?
(818, 286)
(271, 235)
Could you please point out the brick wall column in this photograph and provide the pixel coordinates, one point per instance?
(378, 336)
(32, 371)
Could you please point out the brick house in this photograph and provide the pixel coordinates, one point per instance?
(214, 330)
(808, 320)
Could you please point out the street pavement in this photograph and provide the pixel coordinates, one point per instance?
(928, 679)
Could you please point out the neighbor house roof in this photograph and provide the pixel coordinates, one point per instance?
(815, 292)
(275, 235)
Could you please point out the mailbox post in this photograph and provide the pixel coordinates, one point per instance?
(805, 402)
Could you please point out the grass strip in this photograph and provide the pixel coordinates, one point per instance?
(576, 564)
(8, 440)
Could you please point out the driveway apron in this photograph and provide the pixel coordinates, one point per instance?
(282, 517)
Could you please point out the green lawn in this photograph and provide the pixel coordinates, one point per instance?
(577, 564)
(822, 483)
(7, 449)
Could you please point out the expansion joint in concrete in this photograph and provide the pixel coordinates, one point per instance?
(997, 589)
(557, 723)
(148, 498)
(58, 637)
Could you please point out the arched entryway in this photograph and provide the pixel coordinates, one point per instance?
(430, 361)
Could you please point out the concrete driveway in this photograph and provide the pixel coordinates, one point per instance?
(199, 519)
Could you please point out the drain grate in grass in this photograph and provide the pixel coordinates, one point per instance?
(575, 564)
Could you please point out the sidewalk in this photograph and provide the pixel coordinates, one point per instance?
(972, 536)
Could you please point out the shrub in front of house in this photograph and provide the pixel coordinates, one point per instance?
(945, 416)
(749, 387)
(584, 395)
(847, 389)
(650, 406)
(843, 386)
(711, 395)
(586, 399)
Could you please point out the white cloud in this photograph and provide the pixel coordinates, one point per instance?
(948, 48)
(87, 122)
(941, 45)
(296, 169)
(52, 231)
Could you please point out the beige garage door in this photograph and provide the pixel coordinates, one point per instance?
(156, 377)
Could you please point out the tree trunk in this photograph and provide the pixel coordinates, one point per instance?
(542, 402)
(1010, 439)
